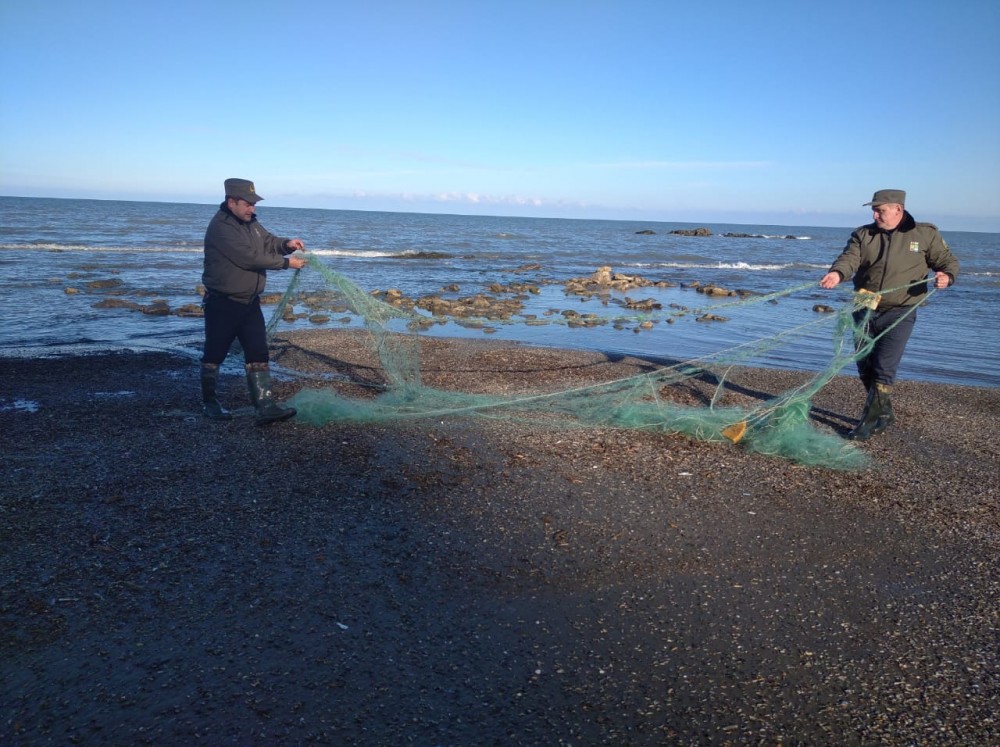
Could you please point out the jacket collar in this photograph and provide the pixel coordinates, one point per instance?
(907, 224)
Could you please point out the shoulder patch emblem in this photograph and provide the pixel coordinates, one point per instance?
(914, 246)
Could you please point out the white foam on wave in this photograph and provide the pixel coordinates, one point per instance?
(377, 253)
(745, 266)
(363, 253)
(19, 405)
(48, 247)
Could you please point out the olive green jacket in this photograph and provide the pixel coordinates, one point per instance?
(886, 262)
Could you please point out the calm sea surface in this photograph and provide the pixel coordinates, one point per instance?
(154, 249)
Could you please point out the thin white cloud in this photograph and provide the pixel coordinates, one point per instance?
(463, 198)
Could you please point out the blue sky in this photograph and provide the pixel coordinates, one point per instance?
(775, 112)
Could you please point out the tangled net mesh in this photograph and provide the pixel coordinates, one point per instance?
(778, 426)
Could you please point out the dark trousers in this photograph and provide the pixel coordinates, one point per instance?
(227, 320)
(879, 366)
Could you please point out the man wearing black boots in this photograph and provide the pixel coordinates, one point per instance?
(238, 253)
(889, 260)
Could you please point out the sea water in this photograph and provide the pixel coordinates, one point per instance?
(154, 251)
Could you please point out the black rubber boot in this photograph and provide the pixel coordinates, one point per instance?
(268, 411)
(878, 414)
(210, 405)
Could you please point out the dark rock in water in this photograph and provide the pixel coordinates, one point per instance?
(646, 232)
(647, 305)
(711, 289)
(604, 280)
(109, 283)
(422, 255)
(754, 236)
(116, 303)
(692, 232)
(190, 310)
(158, 308)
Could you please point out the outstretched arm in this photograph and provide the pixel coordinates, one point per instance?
(830, 280)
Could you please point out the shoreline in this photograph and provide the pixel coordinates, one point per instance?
(452, 581)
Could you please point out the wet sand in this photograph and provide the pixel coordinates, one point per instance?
(171, 580)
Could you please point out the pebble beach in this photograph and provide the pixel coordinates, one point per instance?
(167, 579)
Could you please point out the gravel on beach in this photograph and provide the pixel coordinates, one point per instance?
(166, 579)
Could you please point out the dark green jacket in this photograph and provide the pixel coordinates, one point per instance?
(238, 256)
(889, 260)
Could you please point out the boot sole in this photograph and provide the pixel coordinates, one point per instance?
(276, 419)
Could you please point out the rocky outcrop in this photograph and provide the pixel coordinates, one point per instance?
(499, 302)
(755, 236)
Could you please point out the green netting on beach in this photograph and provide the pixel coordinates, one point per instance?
(779, 426)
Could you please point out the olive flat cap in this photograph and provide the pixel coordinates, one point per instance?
(243, 189)
(888, 197)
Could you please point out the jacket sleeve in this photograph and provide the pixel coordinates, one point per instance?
(940, 258)
(850, 259)
(275, 243)
(236, 244)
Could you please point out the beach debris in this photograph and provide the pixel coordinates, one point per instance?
(736, 431)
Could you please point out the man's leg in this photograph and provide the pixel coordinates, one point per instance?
(253, 338)
(862, 320)
(893, 329)
(221, 323)
(895, 326)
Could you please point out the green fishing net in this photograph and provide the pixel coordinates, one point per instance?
(779, 426)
